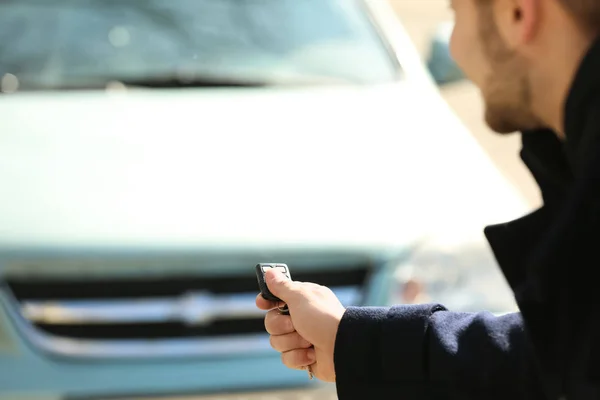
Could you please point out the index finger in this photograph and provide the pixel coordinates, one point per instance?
(265, 304)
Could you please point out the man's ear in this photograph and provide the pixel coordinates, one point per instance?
(517, 20)
(530, 14)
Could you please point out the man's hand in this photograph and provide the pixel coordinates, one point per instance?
(306, 336)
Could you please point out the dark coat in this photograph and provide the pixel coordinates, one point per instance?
(551, 349)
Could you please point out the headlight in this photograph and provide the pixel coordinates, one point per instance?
(459, 273)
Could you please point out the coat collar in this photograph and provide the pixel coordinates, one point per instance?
(553, 164)
(581, 103)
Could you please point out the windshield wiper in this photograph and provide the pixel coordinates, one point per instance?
(231, 81)
(175, 82)
(126, 84)
(196, 82)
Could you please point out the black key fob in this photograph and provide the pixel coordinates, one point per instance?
(261, 269)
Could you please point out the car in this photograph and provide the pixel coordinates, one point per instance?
(152, 153)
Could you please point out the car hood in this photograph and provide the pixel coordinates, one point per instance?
(348, 166)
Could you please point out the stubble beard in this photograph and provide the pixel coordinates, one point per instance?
(507, 89)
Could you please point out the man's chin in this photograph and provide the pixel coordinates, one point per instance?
(508, 123)
(501, 127)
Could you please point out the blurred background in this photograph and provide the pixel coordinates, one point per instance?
(153, 152)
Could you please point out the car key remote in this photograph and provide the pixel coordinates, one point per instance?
(261, 269)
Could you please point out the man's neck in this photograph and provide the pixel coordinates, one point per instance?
(552, 81)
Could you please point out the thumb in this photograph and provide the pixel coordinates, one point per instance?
(280, 285)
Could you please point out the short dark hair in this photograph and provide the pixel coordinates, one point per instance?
(586, 11)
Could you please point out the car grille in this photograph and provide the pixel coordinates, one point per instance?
(53, 289)
(116, 315)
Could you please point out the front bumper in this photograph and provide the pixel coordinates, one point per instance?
(323, 392)
(28, 369)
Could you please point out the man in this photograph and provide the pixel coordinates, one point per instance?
(537, 64)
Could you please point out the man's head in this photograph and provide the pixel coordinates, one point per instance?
(522, 55)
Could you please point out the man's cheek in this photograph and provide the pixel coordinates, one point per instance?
(467, 57)
(457, 52)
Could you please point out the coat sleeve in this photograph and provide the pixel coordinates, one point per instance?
(426, 352)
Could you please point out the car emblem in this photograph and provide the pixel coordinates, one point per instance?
(197, 308)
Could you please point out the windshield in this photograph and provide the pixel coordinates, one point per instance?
(68, 43)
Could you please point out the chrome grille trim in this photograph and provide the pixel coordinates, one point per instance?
(239, 345)
(191, 308)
